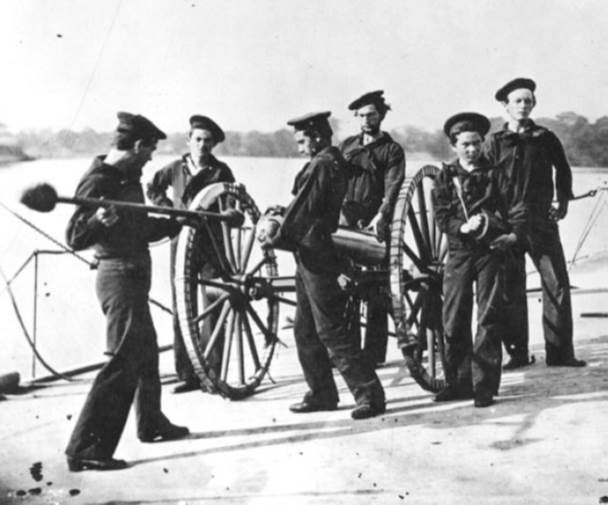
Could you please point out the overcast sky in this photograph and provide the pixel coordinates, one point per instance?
(254, 64)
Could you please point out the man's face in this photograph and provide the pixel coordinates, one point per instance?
(468, 146)
(520, 103)
(306, 144)
(139, 156)
(201, 143)
(369, 118)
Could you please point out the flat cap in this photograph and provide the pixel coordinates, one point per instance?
(140, 126)
(206, 123)
(373, 97)
(467, 122)
(309, 120)
(519, 83)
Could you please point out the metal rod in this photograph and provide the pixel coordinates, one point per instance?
(85, 369)
(169, 211)
(35, 313)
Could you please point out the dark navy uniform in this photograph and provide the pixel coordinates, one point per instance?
(320, 326)
(528, 160)
(473, 367)
(123, 283)
(377, 170)
(185, 186)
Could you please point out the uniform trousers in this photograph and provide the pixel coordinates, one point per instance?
(321, 335)
(130, 376)
(473, 366)
(546, 252)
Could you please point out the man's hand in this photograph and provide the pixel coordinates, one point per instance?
(504, 241)
(559, 212)
(378, 227)
(473, 224)
(107, 215)
(268, 230)
(344, 281)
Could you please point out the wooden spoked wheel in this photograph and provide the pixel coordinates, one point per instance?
(418, 250)
(227, 317)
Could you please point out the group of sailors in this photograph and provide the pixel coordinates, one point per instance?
(494, 202)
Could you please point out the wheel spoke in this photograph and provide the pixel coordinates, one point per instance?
(248, 249)
(412, 256)
(259, 265)
(269, 335)
(424, 218)
(239, 348)
(227, 239)
(212, 306)
(215, 284)
(251, 341)
(422, 247)
(217, 330)
(221, 258)
(227, 346)
(284, 300)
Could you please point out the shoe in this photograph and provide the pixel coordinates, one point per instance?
(80, 464)
(518, 362)
(367, 410)
(187, 386)
(167, 432)
(308, 405)
(571, 362)
(483, 401)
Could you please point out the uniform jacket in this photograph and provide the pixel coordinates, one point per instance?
(528, 160)
(130, 236)
(482, 191)
(377, 172)
(185, 186)
(313, 215)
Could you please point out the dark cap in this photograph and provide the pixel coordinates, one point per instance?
(373, 97)
(310, 120)
(467, 122)
(519, 83)
(140, 126)
(205, 123)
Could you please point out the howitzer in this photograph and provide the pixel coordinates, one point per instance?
(228, 288)
(44, 198)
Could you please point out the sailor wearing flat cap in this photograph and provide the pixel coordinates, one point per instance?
(120, 240)
(377, 171)
(320, 330)
(187, 175)
(534, 159)
(480, 228)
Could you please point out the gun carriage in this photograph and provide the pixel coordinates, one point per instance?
(229, 290)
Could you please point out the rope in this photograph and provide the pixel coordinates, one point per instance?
(595, 214)
(25, 332)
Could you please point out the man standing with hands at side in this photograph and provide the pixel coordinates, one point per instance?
(528, 154)
(377, 165)
(187, 176)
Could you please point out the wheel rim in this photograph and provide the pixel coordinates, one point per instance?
(229, 326)
(418, 250)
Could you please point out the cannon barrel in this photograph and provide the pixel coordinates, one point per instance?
(360, 246)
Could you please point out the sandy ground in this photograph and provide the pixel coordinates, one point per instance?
(544, 441)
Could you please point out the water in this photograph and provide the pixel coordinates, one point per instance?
(70, 326)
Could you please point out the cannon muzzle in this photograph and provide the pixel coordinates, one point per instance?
(360, 246)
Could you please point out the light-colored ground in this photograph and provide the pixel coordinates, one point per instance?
(544, 442)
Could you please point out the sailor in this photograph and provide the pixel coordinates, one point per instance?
(187, 176)
(320, 329)
(377, 171)
(121, 242)
(528, 154)
(480, 228)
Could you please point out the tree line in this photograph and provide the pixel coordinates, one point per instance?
(586, 143)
